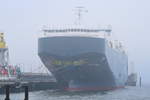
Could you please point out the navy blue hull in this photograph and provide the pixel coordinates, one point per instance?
(80, 63)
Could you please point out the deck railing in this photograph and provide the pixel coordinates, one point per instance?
(8, 78)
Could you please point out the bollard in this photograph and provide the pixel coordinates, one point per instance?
(7, 92)
(26, 93)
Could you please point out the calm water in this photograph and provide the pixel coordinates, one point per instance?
(128, 93)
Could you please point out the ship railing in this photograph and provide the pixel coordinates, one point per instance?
(72, 34)
(75, 31)
(8, 78)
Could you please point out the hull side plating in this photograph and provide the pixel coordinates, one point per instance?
(82, 63)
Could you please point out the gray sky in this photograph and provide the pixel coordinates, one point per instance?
(22, 20)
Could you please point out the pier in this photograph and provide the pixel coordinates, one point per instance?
(7, 85)
(26, 83)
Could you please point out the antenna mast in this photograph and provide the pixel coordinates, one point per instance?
(79, 11)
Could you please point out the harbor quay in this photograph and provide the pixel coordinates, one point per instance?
(26, 83)
(35, 82)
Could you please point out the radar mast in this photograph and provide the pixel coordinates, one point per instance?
(79, 12)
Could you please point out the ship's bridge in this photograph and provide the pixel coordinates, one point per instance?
(81, 32)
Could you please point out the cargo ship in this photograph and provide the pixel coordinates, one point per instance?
(132, 79)
(84, 59)
(132, 75)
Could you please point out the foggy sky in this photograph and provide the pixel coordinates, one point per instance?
(22, 20)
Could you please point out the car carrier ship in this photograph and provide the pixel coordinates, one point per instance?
(84, 59)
